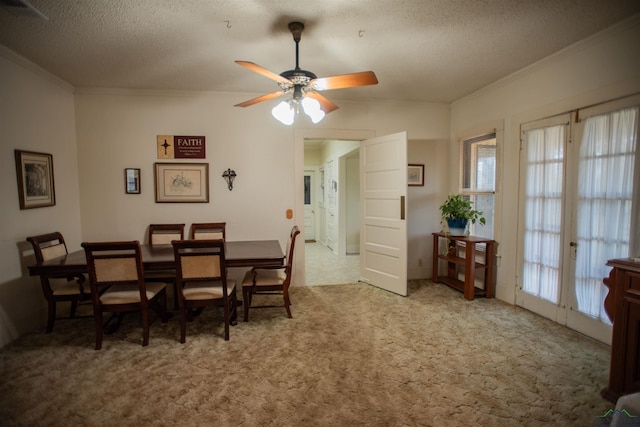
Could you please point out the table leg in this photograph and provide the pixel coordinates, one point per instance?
(436, 244)
(469, 270)
(489, 274)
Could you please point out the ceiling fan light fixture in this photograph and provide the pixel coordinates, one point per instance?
(305, 86)
(284, 112)
(312, 109)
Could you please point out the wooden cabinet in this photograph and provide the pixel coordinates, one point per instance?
(622, 305)
(468, 263)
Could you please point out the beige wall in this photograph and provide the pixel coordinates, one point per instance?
(595, 70)
(117, 129)
(36, 114)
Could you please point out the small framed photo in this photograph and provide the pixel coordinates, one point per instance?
(132, 181)
(182, 182)
(415, 175)
(35, 179)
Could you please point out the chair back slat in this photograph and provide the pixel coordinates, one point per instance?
(208, 231)
(199, 259)
(201, 235)
(53, 251)
(114, 263)
(200, 266)
(163, 234)
(165, 238)
(122, 269)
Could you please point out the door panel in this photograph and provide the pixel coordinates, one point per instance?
(383, 184)
(332, 227)
(544, 145)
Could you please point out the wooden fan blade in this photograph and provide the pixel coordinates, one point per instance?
(261, 70)
(261, 98)
(345, 80)
(326, 105)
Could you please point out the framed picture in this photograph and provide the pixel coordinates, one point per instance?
(182, 182)
(132, 181)
(35, 179)
(415, 175)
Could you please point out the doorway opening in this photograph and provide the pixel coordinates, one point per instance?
(331, 211)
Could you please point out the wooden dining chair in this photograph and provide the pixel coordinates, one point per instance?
(202, 281)
(164, 234)
(58, 289)
(116, 276)
(270, 280)
(208, 231)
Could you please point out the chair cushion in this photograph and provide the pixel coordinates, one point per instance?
(207, 290)
(64, 287)
(128, 294)
(265, 277)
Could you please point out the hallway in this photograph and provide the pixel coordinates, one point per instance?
(323, 267)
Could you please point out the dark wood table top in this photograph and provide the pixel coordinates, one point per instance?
(247, 253)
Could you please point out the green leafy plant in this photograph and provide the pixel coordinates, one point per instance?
(457, 207)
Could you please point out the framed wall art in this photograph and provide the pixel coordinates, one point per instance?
(415, 175)
(182, 182)
(132, 181)
(35, 179)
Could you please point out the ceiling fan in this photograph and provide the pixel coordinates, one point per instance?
(305, 87)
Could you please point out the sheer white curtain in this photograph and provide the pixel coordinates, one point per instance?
(605, 194)
(543, 212)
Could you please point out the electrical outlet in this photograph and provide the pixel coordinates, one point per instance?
(419, 262)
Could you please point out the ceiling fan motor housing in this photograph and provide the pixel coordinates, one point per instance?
(298, 76)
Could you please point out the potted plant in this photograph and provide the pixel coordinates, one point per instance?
(457, 212)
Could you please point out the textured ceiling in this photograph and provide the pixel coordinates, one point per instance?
(422, 50)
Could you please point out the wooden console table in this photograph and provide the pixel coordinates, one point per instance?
(468, 262)
(622, 305)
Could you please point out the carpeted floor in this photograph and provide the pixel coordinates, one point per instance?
(352, 355)
(323, 267)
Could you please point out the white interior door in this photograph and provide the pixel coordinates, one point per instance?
(309, 205)
(383, 236)
(332, 214)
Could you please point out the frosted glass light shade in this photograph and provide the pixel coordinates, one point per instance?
(284, 113)
(312, 109)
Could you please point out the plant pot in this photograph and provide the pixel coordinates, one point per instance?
(458, 226)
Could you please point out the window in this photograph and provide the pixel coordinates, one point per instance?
(479, 179)
(307, 190)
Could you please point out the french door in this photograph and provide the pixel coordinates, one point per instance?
(577, 203)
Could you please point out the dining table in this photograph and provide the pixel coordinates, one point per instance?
(245, 253)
